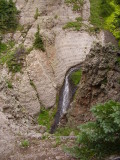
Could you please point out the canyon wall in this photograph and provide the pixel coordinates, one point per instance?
(43, 72)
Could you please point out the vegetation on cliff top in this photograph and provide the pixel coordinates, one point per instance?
(76, 4)
(8, 16)
(105, 14)
(75, 25)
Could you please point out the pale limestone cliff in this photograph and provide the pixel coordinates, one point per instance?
(43, 72)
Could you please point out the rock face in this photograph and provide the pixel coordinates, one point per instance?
(71, 49)
(43, 72)
(100, 82)
(7, 139)
(64, 49)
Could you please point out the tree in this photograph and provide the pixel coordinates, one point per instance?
(8, 15)
(102, 137)
(38, 43)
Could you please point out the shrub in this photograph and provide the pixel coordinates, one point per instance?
(76, 4)
(76, 77)
(3, 47)
(8, 15)
(9, 84)
(46, 117)
(117, 2)
(106, 9)
(76, 25)
(105, 14)
(25, 143)
(102, 137)
(38, 43)
(16, 60)
(65, 131)
(37, 14)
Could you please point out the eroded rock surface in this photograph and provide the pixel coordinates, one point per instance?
(7, 139)
(43, 72)
(100, 82)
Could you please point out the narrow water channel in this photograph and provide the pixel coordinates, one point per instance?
(65, 97)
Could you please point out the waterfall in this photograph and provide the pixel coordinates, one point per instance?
(65, 97)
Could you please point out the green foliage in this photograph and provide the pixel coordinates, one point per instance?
(29, 50)
(112, 23)
(25, 143)
(117, 2)
(9, 84)
(46, 117)
(106, 9)
(16, 60)
(20, 27)
(5, 51)
(102, 137)
(65, 131)
(76, 4)
(8, 15)
(37, 14)
(95, 12)
(13, 59)
(105, 14)
(76, 77)
(118, 61)
(58, 142)
(3, 47)
(56, 16)
(76, 25)
(38, 43)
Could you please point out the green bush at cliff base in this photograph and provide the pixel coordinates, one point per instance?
(3, 47)
(105, 14)
(76, 77)
(25, 143)
(46, 117)
(100, 138)
(65, 131)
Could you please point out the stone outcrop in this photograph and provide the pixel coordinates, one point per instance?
(100, 82)
(71, 49)
(63, 50)
(41, 74)
(7, 140)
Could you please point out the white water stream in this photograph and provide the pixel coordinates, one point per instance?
(67, 92)
(65, 97)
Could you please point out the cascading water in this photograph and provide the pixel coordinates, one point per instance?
(66, 95)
